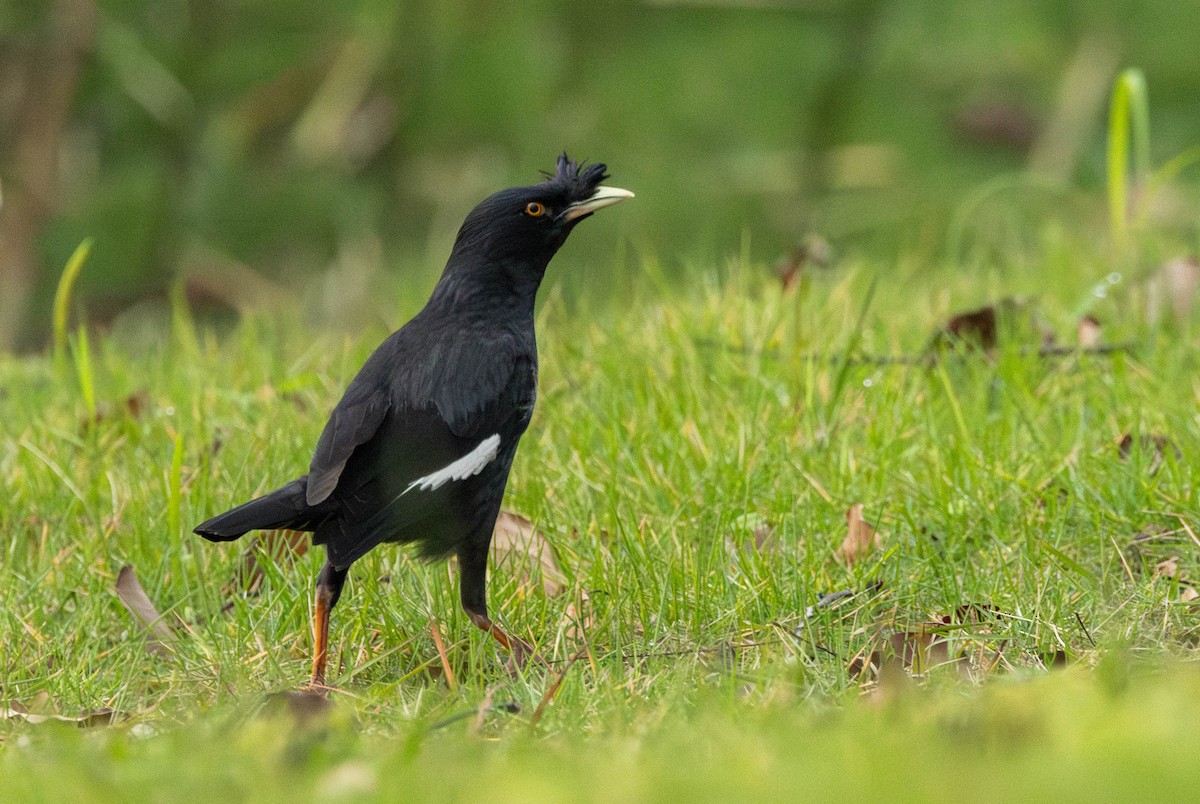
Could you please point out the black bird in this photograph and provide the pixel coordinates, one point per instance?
(420, 446)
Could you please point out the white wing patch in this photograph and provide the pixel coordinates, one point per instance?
(468, 465)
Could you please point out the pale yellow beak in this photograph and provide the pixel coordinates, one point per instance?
(603, 197)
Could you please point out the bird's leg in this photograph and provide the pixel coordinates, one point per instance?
(329, 589)
(474, 602)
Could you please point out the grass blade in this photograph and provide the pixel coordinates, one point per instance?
(62, 298)
(1128, 127)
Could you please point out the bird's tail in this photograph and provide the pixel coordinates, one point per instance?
(285, 507)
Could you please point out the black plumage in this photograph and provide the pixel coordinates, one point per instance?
(420, 446)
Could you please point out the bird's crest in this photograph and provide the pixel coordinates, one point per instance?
(576, 180)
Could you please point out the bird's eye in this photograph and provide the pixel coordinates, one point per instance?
(535, 210)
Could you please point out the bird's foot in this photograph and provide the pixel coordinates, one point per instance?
(520, 651)
(315, 689)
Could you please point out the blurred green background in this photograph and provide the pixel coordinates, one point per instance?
(251, 149)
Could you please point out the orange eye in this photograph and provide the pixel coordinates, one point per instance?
(535, 210)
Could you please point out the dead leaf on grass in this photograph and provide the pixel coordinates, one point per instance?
(1188, 595)
(1154, 445)
(861, 536)
(973, 329)
(516, 540)
(135, 599)
(1167, 568)
(752, 532)
(1175, 284)
(1089, 332)
(916, 651)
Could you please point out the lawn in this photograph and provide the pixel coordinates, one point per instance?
(1013, 618)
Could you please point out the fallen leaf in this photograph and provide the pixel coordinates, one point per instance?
(134, 598)
(1155, 445)
(982, 329)
(1089, 332)
(861, 537)
(1167, 568)
(916, 651)
(1188, 595)
(1175, 283)
(516, 540)
(975, 329)
(752, 531)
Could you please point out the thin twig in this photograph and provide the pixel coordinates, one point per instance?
(1086, 633)
(912, 360)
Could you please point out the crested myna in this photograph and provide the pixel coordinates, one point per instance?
(420, 446)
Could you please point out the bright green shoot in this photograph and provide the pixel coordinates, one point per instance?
(62, 298)
(1128, 127)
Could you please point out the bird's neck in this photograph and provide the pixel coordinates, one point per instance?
(497, 289)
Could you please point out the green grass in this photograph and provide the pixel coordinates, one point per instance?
(670, 428)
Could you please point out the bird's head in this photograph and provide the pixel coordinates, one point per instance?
(529, 224)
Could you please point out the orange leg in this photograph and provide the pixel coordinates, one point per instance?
(329, 589)
(320, 641)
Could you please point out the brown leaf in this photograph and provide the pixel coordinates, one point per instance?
(1167, 568)
(1089, 332)
(861, 537)
(1188, 595)
(974, 329)
(982, 329)
(516, 540)
(1175, 283)
(134, 598)
(764, 537)
(753, 533)
(916, 651)
(1155, 445)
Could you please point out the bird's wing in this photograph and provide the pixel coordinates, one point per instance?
(353, 422)
(451, 394)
